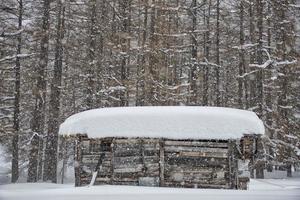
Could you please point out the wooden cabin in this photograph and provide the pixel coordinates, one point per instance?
(193, 147)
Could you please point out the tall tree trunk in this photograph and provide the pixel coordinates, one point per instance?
(50, 163)
(125, 43)
(91, 56)
(206, 47)
(193, 81)
(260, 78)
(141, 93)
(241, 57)
(252, 82)
(217, 87)
(151, 84)
(15, 140)
(284, 41)
(40, 97)
(269, 92)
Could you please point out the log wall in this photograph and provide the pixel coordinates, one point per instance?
(158, 162)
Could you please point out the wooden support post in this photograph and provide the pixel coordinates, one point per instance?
(142, 154)
(112, 161)
(161, 163)
(77, 159)
(260, 161)
(64, 157)
(233, 164)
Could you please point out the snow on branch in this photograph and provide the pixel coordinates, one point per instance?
(113, 89)
(12, 34)
(294, 5)
(206, 62)
(272, 62)
(286, 62)
(7, 58)
(245, 46)
(247, 74)
(264, 65)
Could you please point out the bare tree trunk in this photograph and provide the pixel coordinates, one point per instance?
(252, 82)
(40, 96)
(64, 151)
(241, 57)
(207, 54)
(260, 76)
(91, 56)
(284, 41)
(15, 140)
(141, 93)
(217, 87)
(193, 81)
(50, 164)
(268, 91)
(151, 84)
(125, 10)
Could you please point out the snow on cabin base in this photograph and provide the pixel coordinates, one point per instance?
(266, 189)
(173, 122)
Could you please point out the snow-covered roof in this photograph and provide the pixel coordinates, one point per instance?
(173, 122)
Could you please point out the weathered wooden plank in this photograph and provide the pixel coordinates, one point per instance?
(94, 159)
(126, 182)
(127, 160)
(152, 166)
(197, 180)
(151, 174)
(128, 168)
(192, 169)
(136, 140)
(106, 154)
(102, 179)
(195, 185)
(200, 175)
(192, 161)
(131, 176)
(148, 152)
(161, 162)
(204, 154)
(151, 146)
(118, 141)
(196, 143)
(124, 147)
(194, 149)
(151, 159)
(104, 170)
(131, 152)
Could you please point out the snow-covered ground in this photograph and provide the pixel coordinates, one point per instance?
(267, 189)
(5, 165)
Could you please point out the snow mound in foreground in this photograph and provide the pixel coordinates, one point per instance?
(173, 122)
(259, 190)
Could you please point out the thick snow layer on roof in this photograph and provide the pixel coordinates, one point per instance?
(173, 122)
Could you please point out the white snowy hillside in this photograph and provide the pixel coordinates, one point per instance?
(173, 122)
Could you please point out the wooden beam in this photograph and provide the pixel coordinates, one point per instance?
(161, 163)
